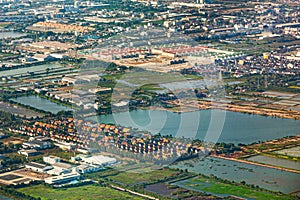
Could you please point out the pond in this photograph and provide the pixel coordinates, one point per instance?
(237, 128)
(41, 104)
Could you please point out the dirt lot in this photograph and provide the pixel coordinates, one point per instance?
(12, 140)
(20, 176)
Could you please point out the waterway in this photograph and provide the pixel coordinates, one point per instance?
(37, 68)
(41, 104)
(4, 35)
(268, 178)
(237, 127)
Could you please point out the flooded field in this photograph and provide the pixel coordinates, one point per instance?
(268, 178)
(294, 152)
(225, 190)
(276, 162)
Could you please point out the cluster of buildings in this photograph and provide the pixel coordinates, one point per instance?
(62, 133)
(78, 135)
(160, 35)
(186, 18)
(46, 47)
(63, 173)
(263, 64)
(37, 143)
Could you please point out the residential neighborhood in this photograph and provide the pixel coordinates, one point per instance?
(149, 99)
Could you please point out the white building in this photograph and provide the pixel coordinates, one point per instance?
(30, 152)
(87, 168)
(58, 56)
(38, 142)
(58, 172)
(51, 159)
(37, 167)
(99, 160)
(62, 166)
(62, 178)
(65, 145)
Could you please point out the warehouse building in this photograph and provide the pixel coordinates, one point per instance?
(37, 167)
(99, 160)
(51, 159)
(62, 178)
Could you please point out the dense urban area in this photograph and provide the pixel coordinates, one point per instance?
(149, 99)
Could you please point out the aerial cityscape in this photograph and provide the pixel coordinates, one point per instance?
(149, 99)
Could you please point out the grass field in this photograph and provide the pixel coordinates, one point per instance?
(89, 192)
(150, 87)
(129, 178)
(142, 78)
(5, 55)
(218, 188)
(3, 25)
(132, 177)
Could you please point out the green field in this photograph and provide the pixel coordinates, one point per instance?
(218, 188)
(5, 55)
(132, 177)
(89, 192)
(150, 87)
(129, 178)
(149, 77)
(3, 25)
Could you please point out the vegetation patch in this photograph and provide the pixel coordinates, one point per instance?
(82, 192)
(129, 178)
(214, 187)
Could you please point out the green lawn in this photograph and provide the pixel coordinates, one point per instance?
(89, 192)
(143, 78)
(212, 186)
(193, 77)
(150, 87)
(135, 174)
(5, 55)
(101, 174)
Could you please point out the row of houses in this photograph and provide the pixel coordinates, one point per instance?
(65, 136)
